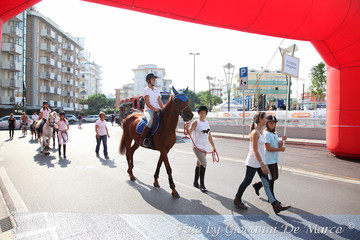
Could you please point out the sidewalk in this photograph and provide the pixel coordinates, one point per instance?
(290, 141)
(6, 223)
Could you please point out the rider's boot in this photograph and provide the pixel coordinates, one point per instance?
(143, 136)
(196, 179)
(64, 146)
(59, 150)
(202, 176)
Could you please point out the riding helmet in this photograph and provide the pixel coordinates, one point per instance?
(149, 76)
(62, 113)
(203, 108)
(271, 118)
(45, 102)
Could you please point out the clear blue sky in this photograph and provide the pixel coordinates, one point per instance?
(121, 40)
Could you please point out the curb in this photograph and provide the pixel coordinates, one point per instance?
(289, 142)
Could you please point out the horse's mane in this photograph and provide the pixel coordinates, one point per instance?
(167, 105)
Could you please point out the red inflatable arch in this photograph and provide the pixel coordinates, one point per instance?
(332, 26)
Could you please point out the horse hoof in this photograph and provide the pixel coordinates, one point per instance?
(132, 178)
(156, 185)
(175, 195)
(47, 153)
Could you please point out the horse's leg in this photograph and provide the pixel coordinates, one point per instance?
(164, 157)
(129, 157)
(157, 171)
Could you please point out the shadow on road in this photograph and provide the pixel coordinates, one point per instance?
(43, 160)
(32, 141)
(63, 162)
(109, 163)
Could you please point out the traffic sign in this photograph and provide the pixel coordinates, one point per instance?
(243, 80)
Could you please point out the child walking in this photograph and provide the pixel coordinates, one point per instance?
(12, 124)
(272, 148)
(254, 163)
(63, 127)
(101, 135)
(201, 134)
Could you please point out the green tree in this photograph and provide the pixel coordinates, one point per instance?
(318, 81)
(97, 102)
(204, 98)
(194, 100)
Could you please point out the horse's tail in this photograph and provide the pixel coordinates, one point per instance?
(122, 148)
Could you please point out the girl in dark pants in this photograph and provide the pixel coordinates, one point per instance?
(254, 163)
(273, 146)
(12, 124)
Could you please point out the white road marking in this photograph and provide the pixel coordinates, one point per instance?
(19, 204)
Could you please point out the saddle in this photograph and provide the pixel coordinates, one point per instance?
(141, 125)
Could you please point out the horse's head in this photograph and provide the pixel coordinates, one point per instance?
(182, 102)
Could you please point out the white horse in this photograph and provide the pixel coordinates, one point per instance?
(46, 134)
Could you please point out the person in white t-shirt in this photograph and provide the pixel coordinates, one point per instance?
(63, 127)
(45, 110)
(201, 134)
(153, 104)
(101, 135)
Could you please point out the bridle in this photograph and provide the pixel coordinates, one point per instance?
(50, 123)
(180, 111)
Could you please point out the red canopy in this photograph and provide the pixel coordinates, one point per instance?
(332, 26)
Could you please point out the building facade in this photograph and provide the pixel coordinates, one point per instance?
(162, 84)
(12, 62)
(126, 91)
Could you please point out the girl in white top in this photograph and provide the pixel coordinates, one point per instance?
(254, 163)
(62, 127)
(101, 135)
(45, 111)
(201, 134)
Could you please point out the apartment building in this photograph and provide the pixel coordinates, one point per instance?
(12, 62)
(127, 90)
(162, 84)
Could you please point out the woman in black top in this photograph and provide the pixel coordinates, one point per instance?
(12, 124)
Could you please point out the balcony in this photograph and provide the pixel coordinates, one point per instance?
(67, 93)
(59, 65)
(50, 48)
(85, 106)
(10, 83)
(68, 70)
(77, 106)
(58, 39)
(47, 61)
(46, 89)
(49, 34)
(76, 84)
(68, 81)
(11, 48)
(58, 91)
(58, 104)
(12, 66)
(47, 75)
(7, 100)
(68, 58)
(12, 31)
(76, 61)
(76, 95)
(59, 52)
(68, 47)
(57, 77)
(68, 106)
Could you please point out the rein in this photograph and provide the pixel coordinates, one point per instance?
(215, 155)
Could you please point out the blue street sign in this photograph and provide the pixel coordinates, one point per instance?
(243, 80)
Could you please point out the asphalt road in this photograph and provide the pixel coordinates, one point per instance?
(86, 197)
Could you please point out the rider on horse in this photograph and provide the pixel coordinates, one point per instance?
(153, 104)
(45, 110)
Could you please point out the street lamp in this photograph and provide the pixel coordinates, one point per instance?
(210, 83)
(228, 77)
(194, 66)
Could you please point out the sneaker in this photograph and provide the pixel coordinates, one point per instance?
(107, 157)
(240, 204)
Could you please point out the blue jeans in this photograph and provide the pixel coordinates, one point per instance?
(249, 175)
(102, 138)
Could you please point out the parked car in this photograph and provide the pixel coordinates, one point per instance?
(5, 125)
(91, 118)
(71, 118)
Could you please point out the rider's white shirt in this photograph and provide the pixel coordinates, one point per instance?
(35, 118)
(153, 94)
(101, 127)
(45, 113)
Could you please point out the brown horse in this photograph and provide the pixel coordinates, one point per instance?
(164, 137)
